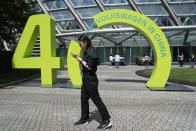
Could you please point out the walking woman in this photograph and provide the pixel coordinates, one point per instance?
(90, 84)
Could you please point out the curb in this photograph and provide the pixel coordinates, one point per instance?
(18, 81)
(139, 73)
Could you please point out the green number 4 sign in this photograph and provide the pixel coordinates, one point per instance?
(47, 62)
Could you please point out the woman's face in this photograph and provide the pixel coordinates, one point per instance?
(82, 44)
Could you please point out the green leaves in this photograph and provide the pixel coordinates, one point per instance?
(13, 17)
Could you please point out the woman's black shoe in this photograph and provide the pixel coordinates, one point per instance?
(81, 122)
(105, 125)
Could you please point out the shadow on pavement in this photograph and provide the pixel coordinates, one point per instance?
(125, 80)
(178, 87)
(95, 115)
(7, 87)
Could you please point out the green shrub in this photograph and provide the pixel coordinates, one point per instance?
(5, 61)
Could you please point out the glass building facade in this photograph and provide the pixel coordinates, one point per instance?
(177, 19)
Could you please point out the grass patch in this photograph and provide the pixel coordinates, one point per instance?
(17, 74)
(181, 74)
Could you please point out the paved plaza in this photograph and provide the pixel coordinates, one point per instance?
(27, 106)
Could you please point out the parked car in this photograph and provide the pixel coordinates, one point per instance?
(141, 61)
(122, 61)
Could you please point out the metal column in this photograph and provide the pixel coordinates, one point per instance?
(133, 5)
(75, 14)
(171, 13)
(46, 12)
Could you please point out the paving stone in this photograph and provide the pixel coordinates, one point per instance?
(133, 107)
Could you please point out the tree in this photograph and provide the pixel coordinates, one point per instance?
(13, 17)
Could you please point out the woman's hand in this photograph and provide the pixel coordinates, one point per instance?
(81, 61)
(76, 57)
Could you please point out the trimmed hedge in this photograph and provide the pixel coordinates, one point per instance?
(18, 75)
(5, 61)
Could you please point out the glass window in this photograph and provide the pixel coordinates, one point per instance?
(176, 33)
(119, 7)
(114, 51)
(107, 53)
(135, 52)
(191, 36)
(143, 1)
(188, 20)
(57, 4)
(127, 54)
(180, 0)
(68, 25)
(184, 8)
(123, 26)
(175, 54)
(83, 2)
(61, 15)
(100, 53)
(29, 1)
(36, 7)
(90, 23)
(193, 43)
(162, 21)
(88, 12)
(114, 1)
(146, 50)
(194, 49)
(153, 10)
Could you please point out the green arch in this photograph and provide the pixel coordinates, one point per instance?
(150, 30)
(73, 66)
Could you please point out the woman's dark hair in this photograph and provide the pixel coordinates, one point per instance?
(85, 38)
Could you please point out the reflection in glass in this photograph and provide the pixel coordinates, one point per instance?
(191, 36)
(123, 26)
(135, 52)
(36, 7)
(57, 4)
(143, 1)
(68, 25)
(107, 53)
(188, 20)
(175, 54)
(194, 50)
(90, 24)
(146, 51)
(119, 7)
(88, 12)
(127, 54)
(180, 0)
(83, 2)
(100, 53)
(153, 10)
(29, 1)
(174, 34)
(162, 21)
(61, 15)
(114, 1)
(184, 8)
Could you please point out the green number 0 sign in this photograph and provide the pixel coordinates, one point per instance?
(144, 25)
